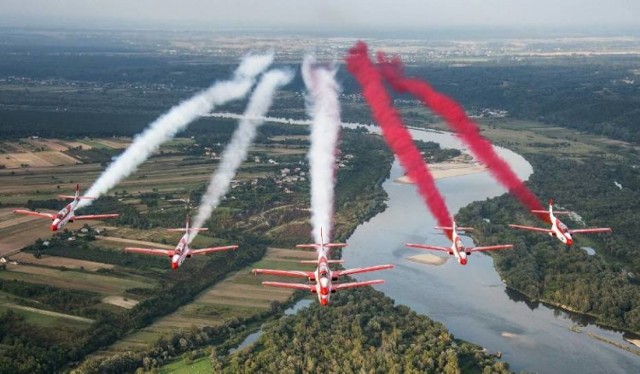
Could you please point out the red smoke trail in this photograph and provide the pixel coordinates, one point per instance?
(468, 131)
(395, 133)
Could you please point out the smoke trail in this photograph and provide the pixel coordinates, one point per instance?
(468, 131)
(324, 109)
(238, 148)
(177, 119)
(395, 133)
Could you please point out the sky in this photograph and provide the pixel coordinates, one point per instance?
(330, 14)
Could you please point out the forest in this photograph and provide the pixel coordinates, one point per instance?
(362, 331)
(604, 285)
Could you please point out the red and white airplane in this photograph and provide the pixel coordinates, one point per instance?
(559, 229)
(323, 276)
(67, 214)
(182, 250)
(457, 248)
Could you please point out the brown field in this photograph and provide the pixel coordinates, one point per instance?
(120, 301)
(56, 261)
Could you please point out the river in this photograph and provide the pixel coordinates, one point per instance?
(471, 300)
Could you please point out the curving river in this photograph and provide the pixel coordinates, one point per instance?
(471, 300)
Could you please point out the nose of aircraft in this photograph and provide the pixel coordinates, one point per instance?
(324, 301)
(174, 265)
(569, 241)
(54, 227)
(463, 260)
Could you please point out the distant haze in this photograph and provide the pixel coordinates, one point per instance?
(328, 15)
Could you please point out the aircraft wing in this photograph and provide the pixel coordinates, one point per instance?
(530, 228)
(284, 273)
(590, 231)
(204, 251)
(32, 213)
(491, 248)
(295, 286)
(339, 273)
(341, 286)
(96, 216)
(151, 251)
(426, 246)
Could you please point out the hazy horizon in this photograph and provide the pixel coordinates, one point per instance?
(332, 17)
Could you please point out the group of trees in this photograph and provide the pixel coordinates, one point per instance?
(362, 331)
(605, 285)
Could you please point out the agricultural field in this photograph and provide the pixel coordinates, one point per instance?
(239, 295)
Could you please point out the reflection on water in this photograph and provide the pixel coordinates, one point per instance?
(471, 300)
(253, 337)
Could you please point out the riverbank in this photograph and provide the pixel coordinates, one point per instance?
(454, 168)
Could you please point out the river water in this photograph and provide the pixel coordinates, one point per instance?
(471, 300)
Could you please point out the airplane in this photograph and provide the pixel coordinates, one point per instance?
(67, 214)
(457, 248)
(323, 276)
(182, 250)
(559, 229)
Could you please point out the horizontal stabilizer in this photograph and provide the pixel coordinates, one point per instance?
(71, 197)
(340, 286)
(457, 228)
(190, 230)
(315, 262)
(295, 286)
(96, 216)
(204, 251)
(491, 248)
(427, 246)
(325, 245)
(283, 273)
(538, 229)
(339, 273)
(150, 251)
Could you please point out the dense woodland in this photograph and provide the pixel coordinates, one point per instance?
(362, 331)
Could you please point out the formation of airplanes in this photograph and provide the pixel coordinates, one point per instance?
(559, 229)
(182, 250)
(67, 214)
(321, 280)
(457, 248)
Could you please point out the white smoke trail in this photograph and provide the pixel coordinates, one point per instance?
(238, 148)
(324, 109)
(176, 120)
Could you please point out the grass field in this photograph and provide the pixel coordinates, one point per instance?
(201, 365)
